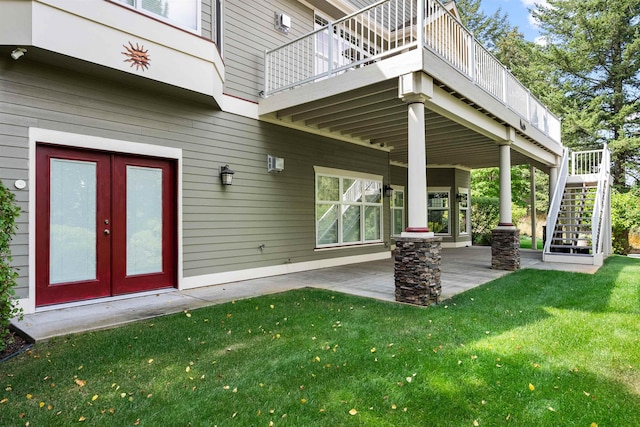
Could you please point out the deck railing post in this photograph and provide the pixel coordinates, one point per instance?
(330, 50)
(505, 85)
(472, 60)
(420, 24)
(266, 73)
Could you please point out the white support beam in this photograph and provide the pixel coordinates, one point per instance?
(534, 243)
(505, 186)
(415, 89)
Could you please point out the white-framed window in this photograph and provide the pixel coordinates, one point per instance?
(181, 13)
(439, 210)
(348, 208)
(397, 204)
(464, 219)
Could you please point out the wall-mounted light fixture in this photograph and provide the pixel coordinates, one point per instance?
(226, 175)
(18, 53)
(275, 164)
(283, 22)
(387, 190)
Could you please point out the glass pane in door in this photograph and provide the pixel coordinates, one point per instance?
(144, 220)
(72, 238)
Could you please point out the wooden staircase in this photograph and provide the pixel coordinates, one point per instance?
(579, 223)
(573, 231)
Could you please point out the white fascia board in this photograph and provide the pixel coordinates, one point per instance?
(98, 31)
(375, 73)
(533, 151)
(241, 107)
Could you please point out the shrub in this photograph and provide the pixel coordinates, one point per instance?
(9, 211)
(625, 215)
(485, 215)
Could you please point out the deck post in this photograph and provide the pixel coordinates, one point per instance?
(415, 89)
(417, 264)
(505, 186)
(534, 243)
(505, 240)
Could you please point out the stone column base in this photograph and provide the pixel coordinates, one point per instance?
(417, 270)
(505, 249)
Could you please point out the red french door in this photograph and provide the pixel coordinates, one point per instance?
(105, 224)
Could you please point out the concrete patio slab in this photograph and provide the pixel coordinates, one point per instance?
(462, 269)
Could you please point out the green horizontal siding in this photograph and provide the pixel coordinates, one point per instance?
(222, 226)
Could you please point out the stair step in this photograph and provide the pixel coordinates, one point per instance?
(577, 254)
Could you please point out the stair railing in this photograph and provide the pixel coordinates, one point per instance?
(600, 205)
(556, 200)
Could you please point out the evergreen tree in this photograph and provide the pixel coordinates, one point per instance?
(594, 46)
(487, 29)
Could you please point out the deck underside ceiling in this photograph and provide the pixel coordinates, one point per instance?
(458, 132)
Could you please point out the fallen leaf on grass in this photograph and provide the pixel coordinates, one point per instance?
(95, 396)
(353, 411)
(531, 387)
(41, 404)
(5, 400)
(476, 423)
(81, 419)
(81, 383)
(29, 396)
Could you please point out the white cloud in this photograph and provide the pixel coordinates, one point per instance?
(532, 4)
(541, 41)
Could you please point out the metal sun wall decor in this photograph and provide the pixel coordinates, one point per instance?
(137, 56)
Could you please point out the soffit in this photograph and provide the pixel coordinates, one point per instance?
(375, 116)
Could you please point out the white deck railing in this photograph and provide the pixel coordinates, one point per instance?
(388, 28)
(586, 162)
(556, 200)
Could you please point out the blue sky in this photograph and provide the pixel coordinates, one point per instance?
(518, 14)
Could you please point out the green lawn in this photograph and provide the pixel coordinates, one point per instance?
(537, 348)
(525, 242)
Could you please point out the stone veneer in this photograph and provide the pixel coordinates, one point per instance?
(505, 249)
(417, 270)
